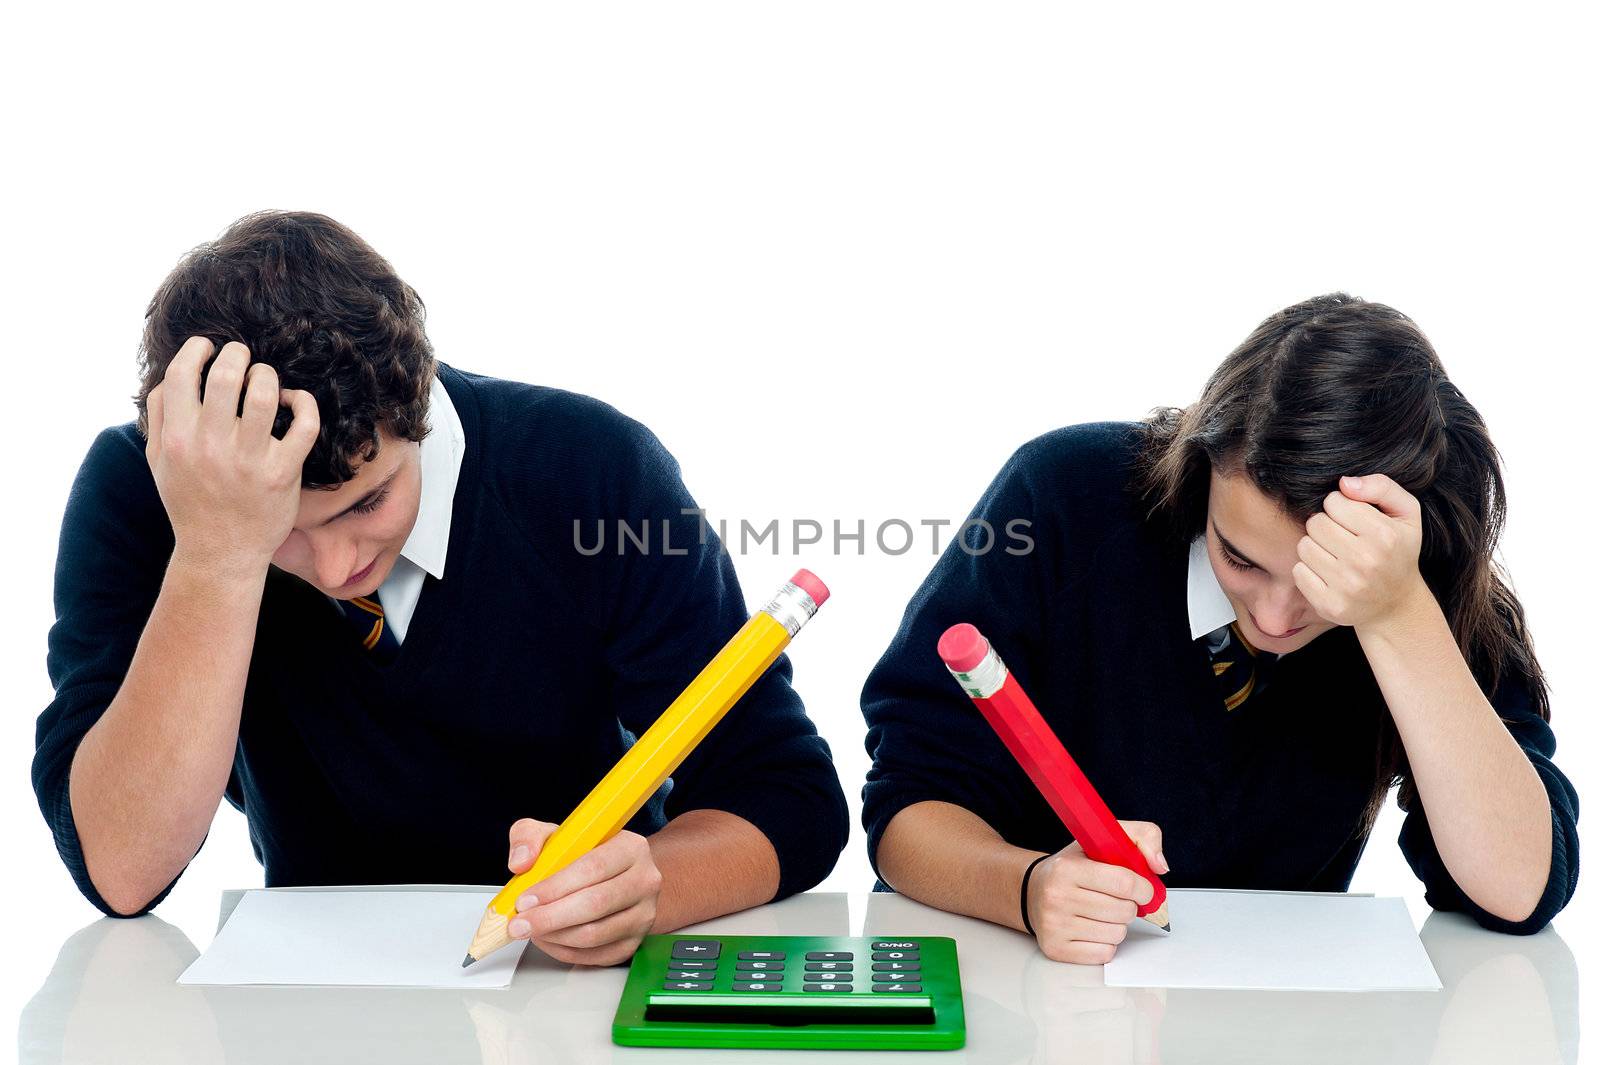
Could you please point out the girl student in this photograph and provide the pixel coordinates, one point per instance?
(1247, 619)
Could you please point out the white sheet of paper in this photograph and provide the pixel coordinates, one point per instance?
(353, 938)
(1260, 940)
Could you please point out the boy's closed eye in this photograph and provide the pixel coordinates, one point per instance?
(372, 503)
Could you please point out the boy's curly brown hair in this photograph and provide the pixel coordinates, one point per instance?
(314, 301)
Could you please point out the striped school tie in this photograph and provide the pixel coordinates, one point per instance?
(365, 614)
(1241, 670)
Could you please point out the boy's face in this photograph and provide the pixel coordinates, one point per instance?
(346, 540)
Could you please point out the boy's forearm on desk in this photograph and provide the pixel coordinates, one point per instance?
(147, 778)
(712, 862)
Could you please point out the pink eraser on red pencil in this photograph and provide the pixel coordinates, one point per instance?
(809, 583)
(962, 647)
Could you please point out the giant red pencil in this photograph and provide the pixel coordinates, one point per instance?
(980, 672)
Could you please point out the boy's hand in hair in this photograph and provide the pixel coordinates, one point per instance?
(1358, 559)
(230, 488)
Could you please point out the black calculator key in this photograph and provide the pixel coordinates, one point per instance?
(895, 944)
(761, 955)
(837, 988)
(827, 978)
(830, 955)
(690, 963)
(691, 974)
(891, 978)
(757, 985)
(896, 955)
(829, 966)
(896, 966)
(689, 985)
(750, 966)
(697, 949)
(898, 989)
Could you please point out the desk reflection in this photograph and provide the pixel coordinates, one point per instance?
(1505, 998)
(112, 996)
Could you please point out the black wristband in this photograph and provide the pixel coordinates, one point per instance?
(1025, 922)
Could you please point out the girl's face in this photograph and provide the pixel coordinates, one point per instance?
(1253, 549)
(347, 539)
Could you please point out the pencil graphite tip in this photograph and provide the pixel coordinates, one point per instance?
(1165, 927)
(468, 961)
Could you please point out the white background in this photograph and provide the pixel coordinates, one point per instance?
(843, 258)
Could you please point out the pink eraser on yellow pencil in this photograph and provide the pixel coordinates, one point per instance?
(809, 583)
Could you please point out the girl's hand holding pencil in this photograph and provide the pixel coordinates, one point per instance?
(1080, 908)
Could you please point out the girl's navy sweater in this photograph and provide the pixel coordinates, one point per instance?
(1093, 622)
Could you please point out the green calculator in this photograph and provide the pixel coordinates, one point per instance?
(793, 992)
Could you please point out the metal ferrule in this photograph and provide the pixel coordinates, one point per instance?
(792, 607)
(985, 678)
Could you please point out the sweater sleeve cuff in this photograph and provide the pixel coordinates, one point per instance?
(1443, 893)
(65, 830)
(1557, 890)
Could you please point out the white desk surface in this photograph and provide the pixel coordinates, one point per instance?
(111, 997)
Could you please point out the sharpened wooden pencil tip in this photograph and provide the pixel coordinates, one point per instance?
(469, 960)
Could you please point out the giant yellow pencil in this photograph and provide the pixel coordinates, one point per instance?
(662, 748)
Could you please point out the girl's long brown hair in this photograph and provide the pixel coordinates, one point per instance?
(1338, 385)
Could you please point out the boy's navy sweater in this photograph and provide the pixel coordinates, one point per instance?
(1094, 624)
(524, 674)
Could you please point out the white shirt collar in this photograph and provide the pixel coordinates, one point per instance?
(441, 453)
(1209, 608)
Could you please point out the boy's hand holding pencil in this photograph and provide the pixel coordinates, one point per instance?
(595, 911)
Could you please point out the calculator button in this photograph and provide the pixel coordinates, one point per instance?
(838, 988)
(692, 974)
(690, 963)
(890, 978)
(761, 955)
(896, 955)
(757, 985)
(773, 966)
(829, 966)
(689, 985)
(830, 955)
(701, 949)
(895, 944)
(830, 977)
(896, 966)
(898, 989)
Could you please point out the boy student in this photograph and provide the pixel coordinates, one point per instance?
(1247, 620)
(334, 581)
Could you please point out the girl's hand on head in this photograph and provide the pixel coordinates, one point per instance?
(595, 911)
(1080, 908)
(1358, 559)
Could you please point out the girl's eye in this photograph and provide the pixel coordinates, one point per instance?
(1235, 563)
(367, 506)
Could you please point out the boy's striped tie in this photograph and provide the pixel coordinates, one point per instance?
(365, 613)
